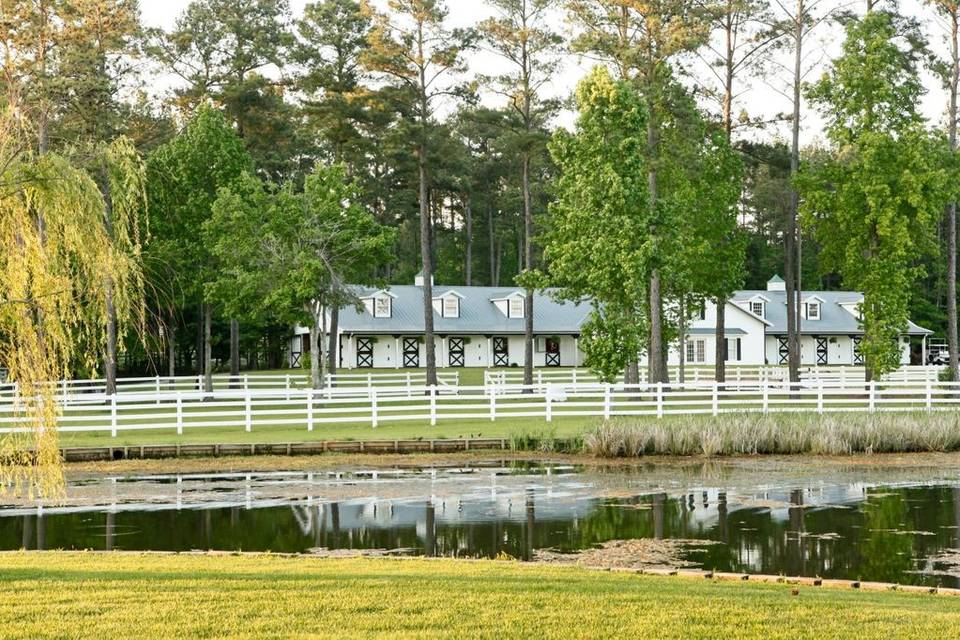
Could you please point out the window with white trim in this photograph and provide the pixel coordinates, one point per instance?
(516, 307)
(757, 308)
(813, 311)
(382, 307)
(696, 351)
(451, 307)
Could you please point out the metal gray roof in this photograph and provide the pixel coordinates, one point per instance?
(478, 314)
(834, 319)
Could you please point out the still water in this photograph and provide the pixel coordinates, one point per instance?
(881, 525)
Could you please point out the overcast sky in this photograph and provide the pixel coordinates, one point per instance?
(762, 100)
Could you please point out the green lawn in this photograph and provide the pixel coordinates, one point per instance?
(105, 596)
(505, 428)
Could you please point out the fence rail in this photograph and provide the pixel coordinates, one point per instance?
(738, 375)
(251, 409)
(68, 391)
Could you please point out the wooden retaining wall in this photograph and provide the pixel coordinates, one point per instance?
(158, 451)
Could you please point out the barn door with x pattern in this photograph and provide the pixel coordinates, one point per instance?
(411, 353)
(784, 350)
(456, 352)
(552, 353)
(501, 352)
(821, 350)
(365, 353)
(857, 354)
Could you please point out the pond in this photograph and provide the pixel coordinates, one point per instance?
(883, 524)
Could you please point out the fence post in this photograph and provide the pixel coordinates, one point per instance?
(179, 413)
(113, 415)
(929, 395)
(246, 382)
(409, 385)
(716, 398)
(574, 376)
(659, 399)
(820, 396)
(157, 389)
(493, 403)
(287, 385)
(433, 405)
(310, 409)
(873, 396)
(766, 396)
(373, 407)
(248, 411)
(548, 407)
(607, 404)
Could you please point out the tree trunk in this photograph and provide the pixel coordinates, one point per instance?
(317, 334)
(792, 263)
(110, 359)
(720, 352)
(207, 348)
(333, 349)
(656, 360)
(468, 249)
(952, 338)
(234, 354)
(681, 371)
(427, 264)
(492, 246)
(171, 350)
(110, 365)
(234, 347)
(528, 266)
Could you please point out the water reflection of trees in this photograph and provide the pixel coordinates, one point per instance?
(862, 541)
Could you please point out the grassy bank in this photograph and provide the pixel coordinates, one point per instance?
(784, 434)
(124, 595)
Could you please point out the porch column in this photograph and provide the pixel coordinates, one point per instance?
(443, 351)
(351, 359)
(576, 351)
(923, 351)
(396, 354)
(489, 352)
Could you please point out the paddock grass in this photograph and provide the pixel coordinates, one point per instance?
(569, 427)
(105, 596)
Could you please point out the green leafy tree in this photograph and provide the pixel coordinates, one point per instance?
(599, 245)
(875, 202)
(184, 176)
(412, 47)
(289, 254)
(948, 70)
(641, 38)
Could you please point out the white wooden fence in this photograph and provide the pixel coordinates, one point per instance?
(736, 374)
(89, 390)
(255, 410)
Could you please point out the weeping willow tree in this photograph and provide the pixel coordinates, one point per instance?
(67, 247)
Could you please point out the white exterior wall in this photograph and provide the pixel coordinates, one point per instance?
(839, 350)
(736, 321)
(388, 351)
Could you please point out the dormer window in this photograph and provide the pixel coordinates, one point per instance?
(756, 308)
(451, 307)
(813, 310)
(382, 307)
(516, 307)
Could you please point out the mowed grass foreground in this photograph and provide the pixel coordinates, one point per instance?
(104, 596)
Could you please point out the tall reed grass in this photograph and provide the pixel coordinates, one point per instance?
(800, 433)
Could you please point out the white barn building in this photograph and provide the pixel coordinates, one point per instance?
(484, 327)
